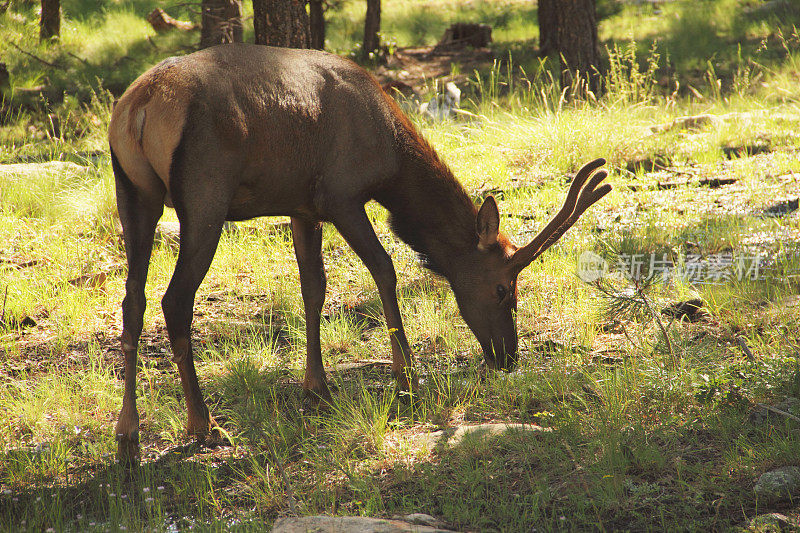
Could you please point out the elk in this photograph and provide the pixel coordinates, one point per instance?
(241, 131)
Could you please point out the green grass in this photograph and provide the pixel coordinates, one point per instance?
(643, 435)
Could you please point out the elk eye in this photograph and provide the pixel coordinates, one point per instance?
(501, 292)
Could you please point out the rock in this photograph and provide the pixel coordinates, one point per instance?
(779, 484)
(763, 415)
(453, 437)
(771, 522)
(693, 122)
(420, 519)
(481, 431)
(351, 524)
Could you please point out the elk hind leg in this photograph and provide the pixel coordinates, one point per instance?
(139, 214)
(201, 206)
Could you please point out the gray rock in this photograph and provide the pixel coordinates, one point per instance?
(763, 415)
(450, 437)
(771, 522)
(693, 122)
(420, 519)
(482, 431)
(779, 484)
(348, 524)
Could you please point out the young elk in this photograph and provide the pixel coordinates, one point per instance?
(240, 131)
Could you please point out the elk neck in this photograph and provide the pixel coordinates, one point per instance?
(429, 209)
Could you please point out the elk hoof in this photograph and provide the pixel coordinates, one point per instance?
(407, 380)
(200, 424)
(216, 436)
(408, 386)
(128, 448)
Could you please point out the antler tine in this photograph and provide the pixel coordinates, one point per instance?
(589, 196)
(525, 255)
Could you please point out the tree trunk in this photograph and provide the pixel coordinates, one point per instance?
(548, 26)
(316, 17)
(50, 23)
(221, 22)
(372, 27)
(281, 23)
(576, 40)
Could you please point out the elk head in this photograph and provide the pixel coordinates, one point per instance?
(485, 284)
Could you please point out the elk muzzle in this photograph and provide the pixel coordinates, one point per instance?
(500, 353)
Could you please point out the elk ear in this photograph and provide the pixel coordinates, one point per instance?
(488, 224)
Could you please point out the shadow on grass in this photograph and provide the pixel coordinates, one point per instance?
(587, 472)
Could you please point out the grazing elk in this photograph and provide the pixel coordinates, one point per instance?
(240, 131)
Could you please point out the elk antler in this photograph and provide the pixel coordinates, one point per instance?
(579, 199)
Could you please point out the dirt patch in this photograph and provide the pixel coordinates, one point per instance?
(417, 66)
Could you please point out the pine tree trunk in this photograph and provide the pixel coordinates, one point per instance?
(221, 22)
(548, 26)
(281, 23)
(372, 27)
(316, 17)
(50, 23)
(577, 43)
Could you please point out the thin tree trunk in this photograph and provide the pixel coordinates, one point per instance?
(221, 22)
(50, 23)
(316, 17)
(281, 23)
(548, 26)
(577, 43)
(372, 27)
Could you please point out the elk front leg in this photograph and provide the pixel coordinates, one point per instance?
(355, 227)
(307, 237)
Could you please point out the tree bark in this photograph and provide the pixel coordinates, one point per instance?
(221, 22)
(576, 41)
(50, 23)
(548, 26)
(316, 17)
(372, 27)
(281, 23)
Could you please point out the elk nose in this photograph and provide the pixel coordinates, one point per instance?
(501, 359)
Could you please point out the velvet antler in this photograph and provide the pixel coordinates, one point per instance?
(579, 199)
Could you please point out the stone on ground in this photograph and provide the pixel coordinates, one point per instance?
(349, 524)
(779, 484)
